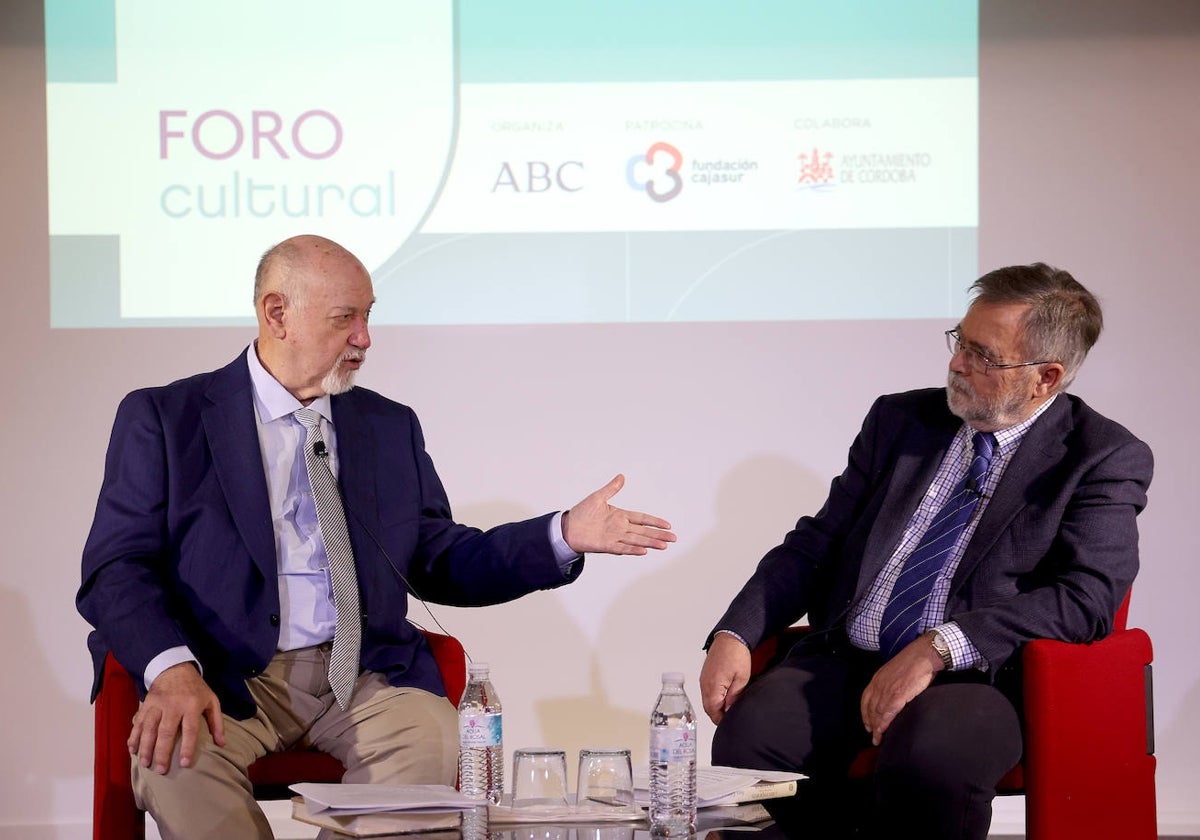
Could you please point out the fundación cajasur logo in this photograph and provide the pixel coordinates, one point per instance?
(663, 184)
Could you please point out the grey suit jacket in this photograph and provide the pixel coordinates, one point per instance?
(1053, 555)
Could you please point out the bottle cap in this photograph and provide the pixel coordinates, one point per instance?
(477, 669)
(672, 677)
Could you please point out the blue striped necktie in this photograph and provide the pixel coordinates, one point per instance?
(901, 621)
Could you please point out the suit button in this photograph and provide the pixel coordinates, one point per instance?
(274, 620)
(252, 672)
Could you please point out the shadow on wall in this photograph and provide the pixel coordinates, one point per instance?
(757, 503)
(1176, 745)
(33, 703)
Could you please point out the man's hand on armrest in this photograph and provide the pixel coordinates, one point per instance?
(178, 702)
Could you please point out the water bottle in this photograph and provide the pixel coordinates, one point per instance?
(672, 761)
(475, 825)
(480, 738)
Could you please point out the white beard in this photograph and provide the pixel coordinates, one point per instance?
(339, 381)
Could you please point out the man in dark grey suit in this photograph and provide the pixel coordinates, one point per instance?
(1046, 492)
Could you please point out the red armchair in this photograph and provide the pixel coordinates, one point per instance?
(114, 814)
(1088, 768)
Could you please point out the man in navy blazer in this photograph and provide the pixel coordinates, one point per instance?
(206, 574)
(1050, 551)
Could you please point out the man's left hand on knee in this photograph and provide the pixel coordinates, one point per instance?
(901, 678)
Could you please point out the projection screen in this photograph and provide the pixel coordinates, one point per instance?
(521, 162)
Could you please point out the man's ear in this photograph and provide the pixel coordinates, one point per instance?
(273, 307)
(1049, 378)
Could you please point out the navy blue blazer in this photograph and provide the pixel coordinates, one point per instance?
(1053, 556)
(182, 552)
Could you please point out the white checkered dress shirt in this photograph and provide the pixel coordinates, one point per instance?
(863, 627)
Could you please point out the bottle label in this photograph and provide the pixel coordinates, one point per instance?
(672, 745)
(480, 730)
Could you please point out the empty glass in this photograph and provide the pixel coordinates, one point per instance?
(605, 780)
(539, 779)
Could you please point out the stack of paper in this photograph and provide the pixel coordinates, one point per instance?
(376, 810)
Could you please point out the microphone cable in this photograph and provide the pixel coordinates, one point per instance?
(322, 453)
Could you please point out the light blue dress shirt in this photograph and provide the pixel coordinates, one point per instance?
(307, 612)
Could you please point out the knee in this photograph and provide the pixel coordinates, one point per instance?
(405, 736)
(731, 747)
(961, 736)
(747, 737)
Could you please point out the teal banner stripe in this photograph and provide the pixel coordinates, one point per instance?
(81, 41)
(716, 40)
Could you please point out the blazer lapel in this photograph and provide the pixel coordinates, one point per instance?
(919, 456)
(1041, 448)
(357, 465)
(233, 441)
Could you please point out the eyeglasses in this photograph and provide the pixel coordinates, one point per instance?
(979, 362)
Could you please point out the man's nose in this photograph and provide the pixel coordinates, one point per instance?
(361, 337)
(959, 363)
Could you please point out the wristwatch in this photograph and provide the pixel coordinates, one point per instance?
(943, 649)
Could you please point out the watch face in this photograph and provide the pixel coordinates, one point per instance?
(943, 649)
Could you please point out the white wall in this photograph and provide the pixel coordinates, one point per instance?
(1090, 130)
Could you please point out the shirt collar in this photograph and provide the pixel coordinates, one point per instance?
(271, 399)
(1010, 437)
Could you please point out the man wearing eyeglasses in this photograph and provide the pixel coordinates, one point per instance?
(968, 521)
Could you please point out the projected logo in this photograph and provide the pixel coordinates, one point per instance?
(816, 170)
(539, 176)
(656, 173)
(180, 155)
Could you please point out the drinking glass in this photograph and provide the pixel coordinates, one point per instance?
(605, 780)
(539, 778)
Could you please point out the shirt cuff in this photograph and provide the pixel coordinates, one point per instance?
(963, 654)
(563, 553)
(731, 633)
(169, 658)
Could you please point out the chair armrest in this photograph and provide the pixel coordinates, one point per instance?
(771, 650)
(1089, 762)
(451, 660)
(113, 811)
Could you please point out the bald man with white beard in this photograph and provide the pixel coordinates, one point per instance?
(206, 575)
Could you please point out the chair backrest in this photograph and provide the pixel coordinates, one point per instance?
(115, 816)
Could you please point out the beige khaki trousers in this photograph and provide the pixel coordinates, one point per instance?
(388, 735)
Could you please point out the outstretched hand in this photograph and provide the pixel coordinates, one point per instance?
(595, 526)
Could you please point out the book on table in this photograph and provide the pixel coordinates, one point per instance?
(380, 810)
(378, 823)
(716, 786)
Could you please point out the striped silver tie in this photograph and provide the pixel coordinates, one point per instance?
(347, 636)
